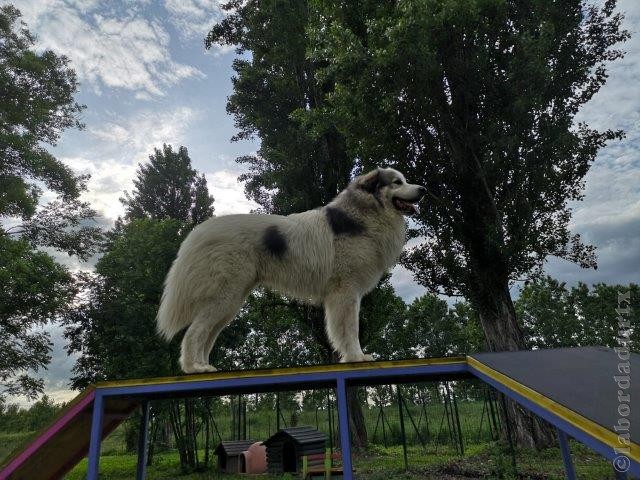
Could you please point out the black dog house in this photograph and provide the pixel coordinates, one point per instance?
(230, 455)
(286, 448)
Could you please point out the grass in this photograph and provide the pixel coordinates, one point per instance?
(486, 461)
(10, 441)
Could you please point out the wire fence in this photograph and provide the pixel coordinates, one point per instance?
(428, 415)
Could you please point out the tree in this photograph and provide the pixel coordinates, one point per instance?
(556, 316)
(168, 187)
(476, 101)
(547, 315)
(37, 90)
(34, 290)
(113, 329)
(429, 328)
(168, 200)
(295, 168)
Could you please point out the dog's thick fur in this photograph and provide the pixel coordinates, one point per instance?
(331, 256)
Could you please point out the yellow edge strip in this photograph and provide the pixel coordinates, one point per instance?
(595, 430)
(336, 367)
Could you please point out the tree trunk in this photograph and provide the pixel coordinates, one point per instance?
(356, 419)
(502, 333)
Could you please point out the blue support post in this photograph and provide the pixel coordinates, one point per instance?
(343, 420)
(143, 440)
(566, 455)
(93, 468)
(620, 475)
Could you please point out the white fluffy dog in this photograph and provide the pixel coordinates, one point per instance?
(332, 256)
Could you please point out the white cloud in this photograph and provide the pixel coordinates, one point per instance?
(109, 178)
(404, 284)
(133, 138)
(228, 193)
(109, 49)
(193, 18)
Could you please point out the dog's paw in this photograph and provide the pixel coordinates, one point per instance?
(205, 367)
(200, 368)
(356, 358)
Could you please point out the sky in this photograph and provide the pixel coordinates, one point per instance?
(147, 79)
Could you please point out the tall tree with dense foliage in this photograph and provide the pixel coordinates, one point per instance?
(37, 91)
(430, 328)
(38, 103)
(295, 168)
(168, 187)
(476, 100)
(298, 166)
(169, 199)
(113, 330)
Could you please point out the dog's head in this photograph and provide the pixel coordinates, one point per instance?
(389, 189)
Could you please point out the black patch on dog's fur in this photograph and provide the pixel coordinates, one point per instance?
(274, 241)
(341, 223)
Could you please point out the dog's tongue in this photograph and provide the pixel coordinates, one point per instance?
(410, 207)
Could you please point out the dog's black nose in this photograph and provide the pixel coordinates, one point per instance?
(422, 190)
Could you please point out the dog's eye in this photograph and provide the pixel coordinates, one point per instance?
(397, 182)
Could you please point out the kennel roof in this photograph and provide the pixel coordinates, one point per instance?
(303, 436)
(233, 447)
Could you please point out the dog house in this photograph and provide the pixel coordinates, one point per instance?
(286, 448)
(230, 458)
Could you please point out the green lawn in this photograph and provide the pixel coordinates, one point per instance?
(481, 461)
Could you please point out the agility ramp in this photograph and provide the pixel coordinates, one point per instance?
(576, 390)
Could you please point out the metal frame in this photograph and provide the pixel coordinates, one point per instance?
(143, 440)
(562, 425)
(566, 455)
(339, 379)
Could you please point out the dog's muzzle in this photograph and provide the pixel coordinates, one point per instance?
(409, 206)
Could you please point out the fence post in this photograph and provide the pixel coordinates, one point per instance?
(402, 431)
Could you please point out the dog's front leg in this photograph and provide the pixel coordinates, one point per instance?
(342, 311)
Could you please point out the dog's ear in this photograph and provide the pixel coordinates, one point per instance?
(369, 182)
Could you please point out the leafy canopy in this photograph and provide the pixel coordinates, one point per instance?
(168, 187)
(296, 168)
(554, 315)
(113, 329)
(37, 105)
(477, 101)
(34, 290)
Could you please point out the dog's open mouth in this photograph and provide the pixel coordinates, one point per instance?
(405, 207)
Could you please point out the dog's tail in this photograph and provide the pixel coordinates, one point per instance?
(175, 312)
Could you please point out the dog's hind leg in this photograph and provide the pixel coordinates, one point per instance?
(214, 314)
(342, 310)
(215, 329)
(196, 337)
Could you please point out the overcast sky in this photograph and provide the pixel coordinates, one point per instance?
(147, 79)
